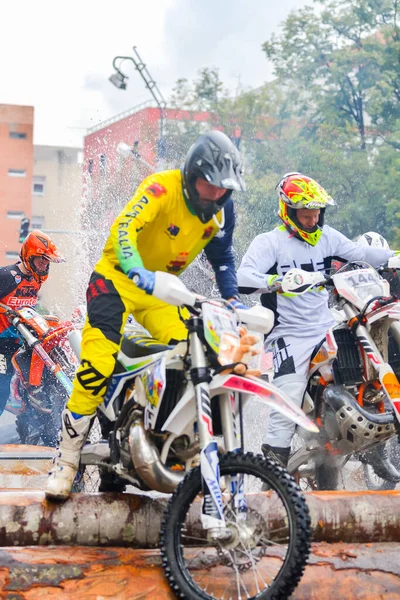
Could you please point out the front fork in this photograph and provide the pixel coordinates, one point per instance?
(386, 375)
(228, 410)
(212, 517)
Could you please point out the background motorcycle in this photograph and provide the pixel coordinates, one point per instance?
(371, 479)
(353, 394)
(44, 366)
(177, 415)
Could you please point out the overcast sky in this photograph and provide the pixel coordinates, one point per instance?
(57, 56)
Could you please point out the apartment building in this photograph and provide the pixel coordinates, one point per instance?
(16, 172)
(56, 208)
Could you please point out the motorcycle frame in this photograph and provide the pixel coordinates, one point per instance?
(359, 321)
(39, 353)
(371, 355)
(194, 407)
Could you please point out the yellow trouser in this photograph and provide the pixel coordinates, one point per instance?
(109, 304)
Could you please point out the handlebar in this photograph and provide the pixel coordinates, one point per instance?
(172, 290)
(299, 282)
(6, 310)
(380, 300)
(394, 262)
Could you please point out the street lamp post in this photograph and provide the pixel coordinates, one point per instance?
(119, 80)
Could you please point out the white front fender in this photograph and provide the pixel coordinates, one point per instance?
(185, 411)
(270, 394)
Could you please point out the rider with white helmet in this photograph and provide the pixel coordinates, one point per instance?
(376, 240)
(373, 239)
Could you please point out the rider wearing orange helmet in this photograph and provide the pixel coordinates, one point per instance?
(37, 252)
(20, 284)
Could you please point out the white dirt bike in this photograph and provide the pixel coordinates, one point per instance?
(353, 393)
(177, 415)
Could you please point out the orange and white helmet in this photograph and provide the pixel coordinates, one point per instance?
(38, 244)
(299, 191)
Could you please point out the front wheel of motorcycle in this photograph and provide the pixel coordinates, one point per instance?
(261, 552)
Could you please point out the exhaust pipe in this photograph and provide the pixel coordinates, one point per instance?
(337, 397)
(147, 462)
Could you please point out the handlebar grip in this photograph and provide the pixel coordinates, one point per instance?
(275, 287)
(6, 309)
(136, 279)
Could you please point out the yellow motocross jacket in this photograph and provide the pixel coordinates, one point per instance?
(158, 230)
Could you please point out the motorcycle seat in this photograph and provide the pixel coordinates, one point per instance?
(135, 346)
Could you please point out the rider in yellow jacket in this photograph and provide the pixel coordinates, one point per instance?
(172, 217)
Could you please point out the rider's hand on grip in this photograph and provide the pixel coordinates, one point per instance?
(394, 261)
(143, 279)
(237, 304)
(274, 283)
(7, 311)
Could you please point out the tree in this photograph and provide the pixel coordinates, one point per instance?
(278, 131)
(204, 94)
(342, 59)
(333, 60)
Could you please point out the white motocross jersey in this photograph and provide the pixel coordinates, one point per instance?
(278, 251)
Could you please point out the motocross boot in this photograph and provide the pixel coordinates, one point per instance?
(379, 460)
(73, 434)
(279, 455)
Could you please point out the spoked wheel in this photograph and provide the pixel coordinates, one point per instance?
(27, 431)
(320, 474)
(306, 483)
(261, 553)
(374, 482)
(37, 429)
(41, 428)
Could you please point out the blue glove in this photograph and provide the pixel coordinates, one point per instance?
(236, 304)
(144, 279)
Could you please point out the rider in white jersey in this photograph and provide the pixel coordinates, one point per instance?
(301, 322)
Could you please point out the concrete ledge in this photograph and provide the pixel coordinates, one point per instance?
(26, 518)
